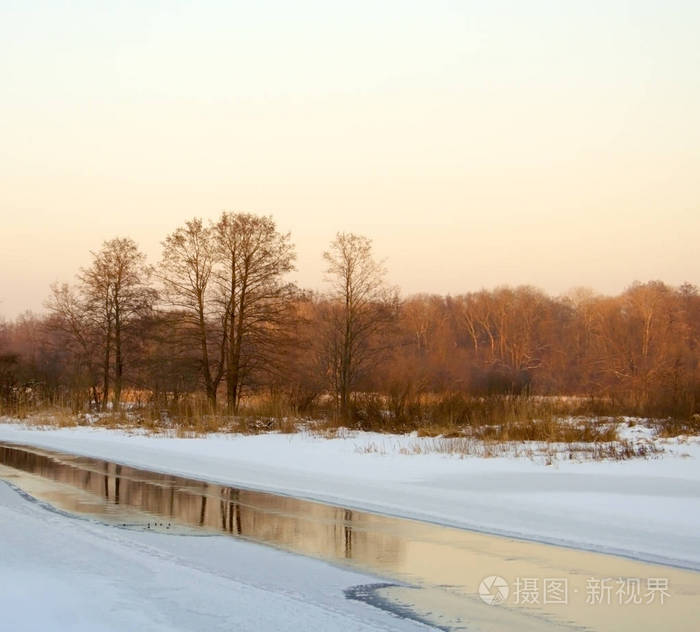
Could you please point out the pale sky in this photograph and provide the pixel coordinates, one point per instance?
(477, 143)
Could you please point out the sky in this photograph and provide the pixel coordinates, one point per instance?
(477, 143)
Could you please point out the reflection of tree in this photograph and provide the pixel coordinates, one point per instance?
(347, 531)
(230, 511)
(117, 480)
(203, 510)
(311, 528)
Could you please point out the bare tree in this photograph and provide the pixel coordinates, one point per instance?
(186, 271)
(116, 291)
(77, 335)
(253, 258)
(362, 307)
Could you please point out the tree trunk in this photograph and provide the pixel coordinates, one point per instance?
(234, 373)
(206, 371)
(346, 359)
(105, 367)
(118, 360)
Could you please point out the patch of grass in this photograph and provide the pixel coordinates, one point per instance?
(548, 453)
(546, 428)
(498, 418)
(550, 430)
(54, 417)
(676, 427)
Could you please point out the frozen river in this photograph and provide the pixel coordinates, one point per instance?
(409, 572)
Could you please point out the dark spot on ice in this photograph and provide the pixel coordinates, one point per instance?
(367, 593)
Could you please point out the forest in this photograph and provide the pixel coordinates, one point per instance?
(214, 328)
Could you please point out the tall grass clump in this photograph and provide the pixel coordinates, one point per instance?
(502, 417)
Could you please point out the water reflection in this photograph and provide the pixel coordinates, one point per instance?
(298, 525)
(446, 564)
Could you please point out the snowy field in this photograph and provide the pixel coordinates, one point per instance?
(648, 509)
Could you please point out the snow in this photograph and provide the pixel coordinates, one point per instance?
(63, 573)
(647, 509)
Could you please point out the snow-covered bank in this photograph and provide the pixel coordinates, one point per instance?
(642, 508)
(61, 573)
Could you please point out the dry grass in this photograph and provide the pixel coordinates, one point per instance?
(453, 424)
(545, 452)
(505, 418)
(51, 417)
(551, 431)
(195, 416)
(678, 427)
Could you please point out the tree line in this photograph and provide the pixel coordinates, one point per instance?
(217, 319)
